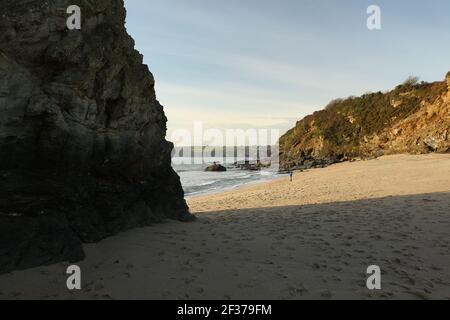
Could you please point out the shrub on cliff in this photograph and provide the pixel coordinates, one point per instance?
(344, 125)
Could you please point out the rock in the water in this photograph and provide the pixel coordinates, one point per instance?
(216, 168)
(83, 153)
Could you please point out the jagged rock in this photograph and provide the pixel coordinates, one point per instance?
(44, 239)
(83, 153)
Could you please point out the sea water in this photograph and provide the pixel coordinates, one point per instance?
(197, 181)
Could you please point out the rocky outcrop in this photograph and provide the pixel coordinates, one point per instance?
(412, 118)
(83, 153)
(216, 167)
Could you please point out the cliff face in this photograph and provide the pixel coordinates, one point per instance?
(412, 118)
(83, 153)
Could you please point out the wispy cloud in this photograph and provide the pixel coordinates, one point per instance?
(268, 63)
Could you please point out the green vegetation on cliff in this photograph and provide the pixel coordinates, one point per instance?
(358, 126)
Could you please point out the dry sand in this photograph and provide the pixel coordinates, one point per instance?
(310, 239)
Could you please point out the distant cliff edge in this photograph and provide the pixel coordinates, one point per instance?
(83, 153)
(413, 118)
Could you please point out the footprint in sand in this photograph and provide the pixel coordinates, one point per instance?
(326, 295)
(200, 290)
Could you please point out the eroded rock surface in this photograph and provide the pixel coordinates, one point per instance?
(83, 153)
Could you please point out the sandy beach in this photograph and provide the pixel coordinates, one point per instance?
(310, 239)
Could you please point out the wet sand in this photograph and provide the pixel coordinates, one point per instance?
(310, 239)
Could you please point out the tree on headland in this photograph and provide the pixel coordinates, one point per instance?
(411, 81)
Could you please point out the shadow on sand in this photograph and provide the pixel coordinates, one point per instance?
(318, 251)
(327, 247)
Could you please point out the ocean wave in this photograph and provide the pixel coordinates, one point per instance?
(208, 183)
(197, 182)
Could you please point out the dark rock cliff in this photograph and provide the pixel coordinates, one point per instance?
(413, 118)
(83, 153)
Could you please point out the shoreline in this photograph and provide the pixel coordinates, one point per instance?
(310, 239)
(316, 177)
(281, 175)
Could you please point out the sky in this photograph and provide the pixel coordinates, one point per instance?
(268, 63)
